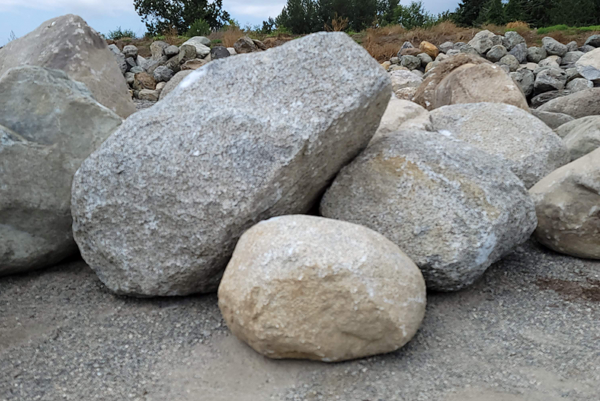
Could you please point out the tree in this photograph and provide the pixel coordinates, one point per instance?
(385, 11)
(414, 16)
(574, 12)
(515, 10)
(468, 12)
(492, 13)
(162, 15)
(539, 12)
(363, 15)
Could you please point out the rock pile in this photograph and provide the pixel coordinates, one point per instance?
(147, 78)
(202, 191)
(542, 73)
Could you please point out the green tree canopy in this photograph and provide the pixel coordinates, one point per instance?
(161, 15)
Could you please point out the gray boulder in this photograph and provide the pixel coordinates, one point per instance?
(67, 43)
(186, 53)
(425, 59)
(552, 120)
(201, 45)
(171, 51)
(543, 98)
(572, 46)
(130, 51)
(580, 124)
(584, 138)
(593, 41)
(158, 49)
(245, 45)
(513, 39)
(550, 80)
(48, 125)
(160, 206)
(163, 74)
(411, 62)
(511, 62)
(525, 79)
(554, 47)
(530, 147)
(482, 42)
(496, 53)
(536, 54)
(520, 53)
(580, 104)
(571, 58)
(452, 208)
(586, 48)
(218, 52)
(446, 46)
(579, 84)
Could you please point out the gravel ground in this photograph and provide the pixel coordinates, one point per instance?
(528, 331)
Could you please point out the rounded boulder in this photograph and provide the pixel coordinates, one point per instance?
(306, 287)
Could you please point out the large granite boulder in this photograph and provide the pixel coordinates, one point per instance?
(452, 208)
(567, 208)
(48, 125)
(174, 82)
(314, 288)
(159, 207)
(67, 43)
(583, 137)
(466, 78)
(578, 105)
(530, 147)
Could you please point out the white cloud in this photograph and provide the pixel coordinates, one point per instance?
(99, 7)
(255, 9)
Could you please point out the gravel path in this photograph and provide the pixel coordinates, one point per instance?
(528, 331)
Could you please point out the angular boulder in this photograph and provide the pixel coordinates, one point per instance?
(567, 208)
(452, 208)
(199, 42)
(50, 124)
(482, 42)
(554, 47)
(159, 207)
(67, 43)
(530, 147)
(552, 120)
(306, 287)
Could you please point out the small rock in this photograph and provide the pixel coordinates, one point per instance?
(130, 51)
(513, 39)
(218, 52)
(496, 53)
(520, 53)
(550, 80)
(446, 46)
(194, 64)
(430, 49)
(593, 41)
(171, 51)
(425, 59)
(482, 42)
(186, 52)
(143, 80)
(510, 61)
(245, 45)
(158, 49)
(147, 94)
(579, 84)
(536, 54)
(163, 74)
(411, 62)
(525, 79)
(201, 45)
(552, 120)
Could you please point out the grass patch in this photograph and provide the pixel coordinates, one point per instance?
(120, 34)
(569, 30)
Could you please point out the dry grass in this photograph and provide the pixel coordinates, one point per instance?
(231, 35)
(518, 26)
(338, 24)
(171, 36)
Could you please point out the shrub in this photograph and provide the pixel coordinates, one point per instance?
(120, 34)
(199, 28)
(518, 26)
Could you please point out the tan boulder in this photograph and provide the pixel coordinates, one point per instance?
(194, 64)
(143, 80)
(429, 48)
(568, 207)
(402, 114)
(306, 287)
(469, 79)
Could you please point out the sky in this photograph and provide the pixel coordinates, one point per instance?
(22, 17)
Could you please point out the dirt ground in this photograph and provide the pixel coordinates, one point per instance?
(528, 331)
